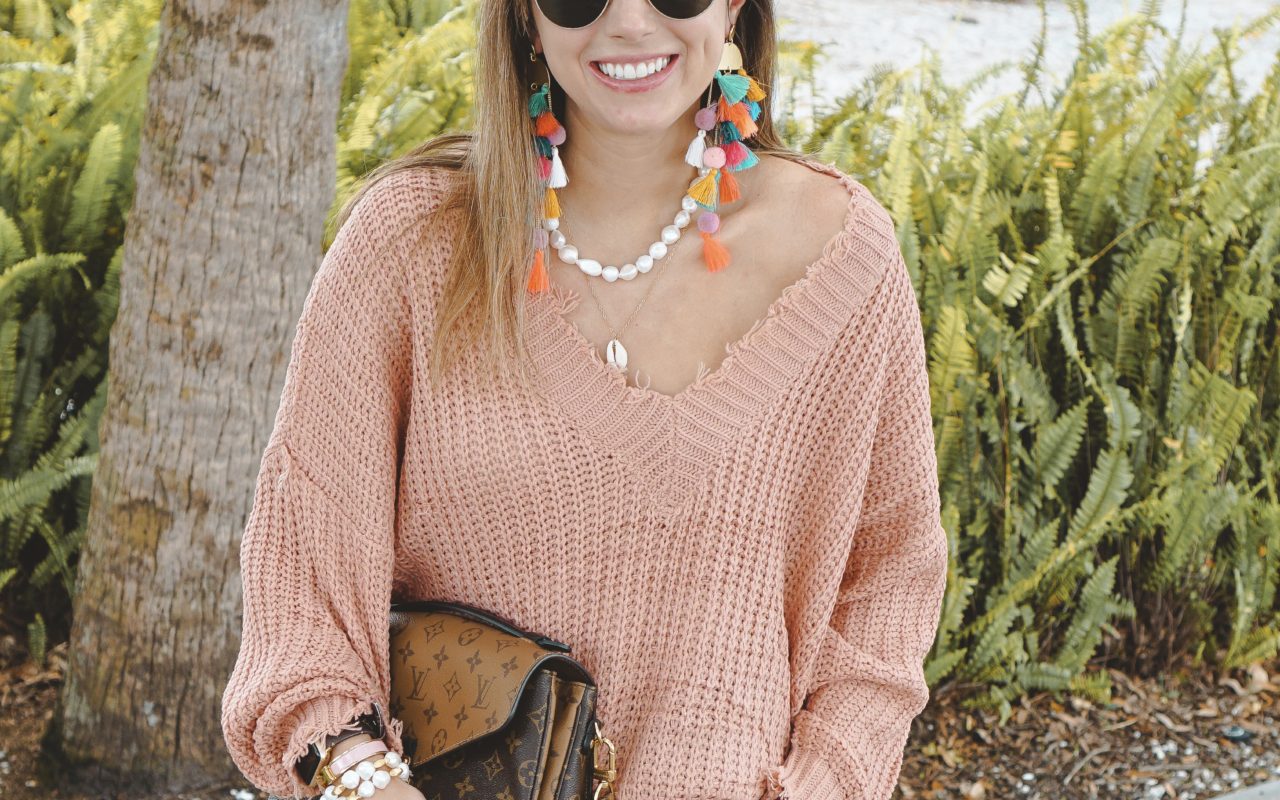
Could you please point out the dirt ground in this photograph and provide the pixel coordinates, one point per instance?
(1185, 736)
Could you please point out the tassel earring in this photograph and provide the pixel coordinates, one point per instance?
(729, 121)
(548, 135)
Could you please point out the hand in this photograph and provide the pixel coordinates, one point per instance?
(398, 790)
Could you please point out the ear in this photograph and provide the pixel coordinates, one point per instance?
(735, 8)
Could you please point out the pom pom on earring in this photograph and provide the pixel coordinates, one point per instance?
(693, 156)
(544, 167)
(551, 204)
(714, 254)
(734, 87)
(728, 187)
(557, 177)
(704, 190)
(538, 280)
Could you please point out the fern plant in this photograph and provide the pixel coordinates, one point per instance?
(1097, 274)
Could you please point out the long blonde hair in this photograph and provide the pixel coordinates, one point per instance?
(498, 187)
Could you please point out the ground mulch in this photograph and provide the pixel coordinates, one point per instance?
(1184, 736)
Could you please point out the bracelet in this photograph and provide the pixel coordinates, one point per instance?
(355, 755)
(369, 776)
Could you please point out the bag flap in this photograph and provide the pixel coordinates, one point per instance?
(455, 678)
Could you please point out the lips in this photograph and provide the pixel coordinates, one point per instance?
(636, 84)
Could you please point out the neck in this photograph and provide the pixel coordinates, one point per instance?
(643, 174)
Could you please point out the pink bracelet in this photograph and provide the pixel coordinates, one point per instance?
(353, 756)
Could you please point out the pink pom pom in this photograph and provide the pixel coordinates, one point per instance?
(544, 167)
(540, 239)
(557, 136)
(708, 222)
(713, 157)
(705, 118)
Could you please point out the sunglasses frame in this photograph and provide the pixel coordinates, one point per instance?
(605, 5)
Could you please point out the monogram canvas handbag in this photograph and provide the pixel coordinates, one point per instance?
(493, 711)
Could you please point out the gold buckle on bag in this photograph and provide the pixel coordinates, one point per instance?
(608, 774)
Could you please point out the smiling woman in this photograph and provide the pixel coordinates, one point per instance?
(749, 558)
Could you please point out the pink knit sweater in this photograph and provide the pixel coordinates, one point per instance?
(752, 570)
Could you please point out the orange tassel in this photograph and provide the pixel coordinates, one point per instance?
(714, 253)
(728, 187)
(742, 120)
(546, 124)
(704, 191)
(723, 110)
(551, 204)
(538, 280)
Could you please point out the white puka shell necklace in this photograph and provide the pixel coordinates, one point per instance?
(568, 253)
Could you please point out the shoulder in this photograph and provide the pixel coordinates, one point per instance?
(822, 200)
(823, 209)
(389, 225)
(388, 205)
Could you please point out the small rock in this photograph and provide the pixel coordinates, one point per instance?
(1237, 734)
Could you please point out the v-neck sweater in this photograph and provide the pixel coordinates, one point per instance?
(752, 569)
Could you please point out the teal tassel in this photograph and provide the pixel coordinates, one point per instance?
(747, 163)
(753, 106)
(544, 145)
(539, 101)
(729, 132)
(732, 85)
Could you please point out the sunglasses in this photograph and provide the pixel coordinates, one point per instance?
(581, 13)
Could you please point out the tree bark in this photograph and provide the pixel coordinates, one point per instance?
(235, 174)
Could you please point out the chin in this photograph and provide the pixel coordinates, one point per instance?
(628, 115)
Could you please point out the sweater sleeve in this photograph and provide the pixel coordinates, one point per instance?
(316, 555)
(868, 684)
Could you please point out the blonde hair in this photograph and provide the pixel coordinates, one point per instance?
(498, 189)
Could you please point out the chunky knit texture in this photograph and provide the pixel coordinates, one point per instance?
(752, 569)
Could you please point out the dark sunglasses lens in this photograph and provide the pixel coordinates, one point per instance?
(681, 9)
(571, 13)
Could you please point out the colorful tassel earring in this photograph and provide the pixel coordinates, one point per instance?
(548, 135)
(728, 121)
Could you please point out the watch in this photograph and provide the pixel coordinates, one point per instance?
(318, 755)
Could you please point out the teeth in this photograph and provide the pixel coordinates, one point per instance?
(631, 72)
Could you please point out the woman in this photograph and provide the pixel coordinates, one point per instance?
(744, 547)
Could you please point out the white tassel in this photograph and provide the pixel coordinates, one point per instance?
(693, 156)
(558, 177)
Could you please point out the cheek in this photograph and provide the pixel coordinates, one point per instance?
(563, 53)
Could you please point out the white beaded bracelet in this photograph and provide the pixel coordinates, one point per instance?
(368, 776)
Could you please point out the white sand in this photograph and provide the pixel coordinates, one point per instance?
(970, 35)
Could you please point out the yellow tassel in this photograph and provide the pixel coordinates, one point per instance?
(704, 191)
(754, 92)
(551, 206)
(538, 281)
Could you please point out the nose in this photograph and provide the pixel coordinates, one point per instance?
(629, 19)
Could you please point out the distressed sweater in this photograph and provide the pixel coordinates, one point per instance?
(752, 569)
